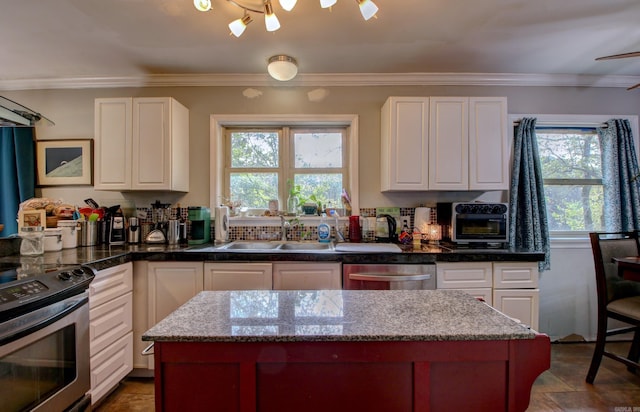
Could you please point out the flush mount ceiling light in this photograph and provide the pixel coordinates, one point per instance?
(368, 9)
(282, 67)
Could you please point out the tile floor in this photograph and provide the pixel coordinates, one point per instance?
(561, 388)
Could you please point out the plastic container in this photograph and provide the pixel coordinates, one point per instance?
(69, 233)
(52, 239)
(324, 230)
(32, 243)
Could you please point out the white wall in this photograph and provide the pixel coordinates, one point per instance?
(568, 291)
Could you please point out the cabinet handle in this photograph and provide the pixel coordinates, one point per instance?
(148, 350)
(388, 277)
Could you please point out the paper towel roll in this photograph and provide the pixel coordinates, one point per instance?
(422, 218)
(221, 224)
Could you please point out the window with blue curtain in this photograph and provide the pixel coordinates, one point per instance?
(17, 173)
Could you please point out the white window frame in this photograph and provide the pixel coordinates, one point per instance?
(218, 122)
(575, 120)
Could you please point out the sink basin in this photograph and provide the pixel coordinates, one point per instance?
(302, 246)
(240, 245)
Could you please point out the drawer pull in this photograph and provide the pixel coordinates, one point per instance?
(387, 277)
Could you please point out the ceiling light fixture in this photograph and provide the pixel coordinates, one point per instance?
(271, 21)
(367, 8)
(238, 26)
(282, 67)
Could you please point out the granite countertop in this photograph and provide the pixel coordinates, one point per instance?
(335, 315)
(105, 256)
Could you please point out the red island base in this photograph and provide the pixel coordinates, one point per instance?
(348, 376)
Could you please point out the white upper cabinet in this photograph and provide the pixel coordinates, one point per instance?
(404, 161)
(141, 144)
(448, 143)
(489, 152)
(444, 143)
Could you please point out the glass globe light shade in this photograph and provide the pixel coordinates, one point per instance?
(282, 68)
(367, 8)
(202, 5)
(288, 5)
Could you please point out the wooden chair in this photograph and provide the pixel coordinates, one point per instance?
(617, 298)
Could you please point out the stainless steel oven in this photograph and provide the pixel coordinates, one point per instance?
(44, 342)
(388, 277)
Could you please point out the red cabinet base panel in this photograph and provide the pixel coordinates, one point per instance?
(348, 376)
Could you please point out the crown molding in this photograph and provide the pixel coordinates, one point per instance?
(325, 80)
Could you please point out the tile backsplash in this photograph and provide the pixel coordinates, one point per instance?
(297, 230)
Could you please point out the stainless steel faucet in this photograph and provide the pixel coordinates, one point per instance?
(283, 228)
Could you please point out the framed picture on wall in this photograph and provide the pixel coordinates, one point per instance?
(64, 162)
(31, 218)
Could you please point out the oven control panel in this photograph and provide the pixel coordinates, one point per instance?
(21, 296)
(23, 290)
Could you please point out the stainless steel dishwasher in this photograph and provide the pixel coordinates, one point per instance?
(388, 277)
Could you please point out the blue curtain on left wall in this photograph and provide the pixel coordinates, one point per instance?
(17, 173)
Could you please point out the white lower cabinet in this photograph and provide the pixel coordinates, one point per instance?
(474, 278)
(510, 287)
(169, 286)
(520, 304)
(110, 366)
(515, 291)
(237, 276)
(110, 328)
(307, 276)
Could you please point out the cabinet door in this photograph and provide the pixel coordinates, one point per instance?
(109, 322)
(151, 144)
(237, 276)
(170, 285)
(110, 283)
(307, 276)
(160, 144)
(405, 145)
(521, 304)
(112, 143)
(448, 143)
(488, 148)
(464, 275)
(110, 366)
(514, 275)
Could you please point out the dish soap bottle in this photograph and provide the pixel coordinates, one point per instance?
(324, 230)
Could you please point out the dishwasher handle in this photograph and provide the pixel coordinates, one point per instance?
(388, 277)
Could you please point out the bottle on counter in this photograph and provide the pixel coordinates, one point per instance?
(324, 230)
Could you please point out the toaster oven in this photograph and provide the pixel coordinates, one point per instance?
(480, 223)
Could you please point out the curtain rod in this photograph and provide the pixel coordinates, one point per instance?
(566, 124)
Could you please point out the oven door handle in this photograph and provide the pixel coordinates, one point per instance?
(388, 277)
(34, 321)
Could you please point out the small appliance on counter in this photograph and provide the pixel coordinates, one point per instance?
(480, 223)
(160, 212)
(117, 231)
(222, 224)
(200, 218)
(134, 232)
(386, 229)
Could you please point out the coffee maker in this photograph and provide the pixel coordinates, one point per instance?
(200, 218)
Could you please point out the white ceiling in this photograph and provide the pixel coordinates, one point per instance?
(52, 43)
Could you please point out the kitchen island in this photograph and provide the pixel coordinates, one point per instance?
(344, 350)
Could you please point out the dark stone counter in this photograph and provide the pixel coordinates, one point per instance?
(104, 256)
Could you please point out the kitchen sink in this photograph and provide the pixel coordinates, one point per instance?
(275, 246)
(242, 245)
(305, 246)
